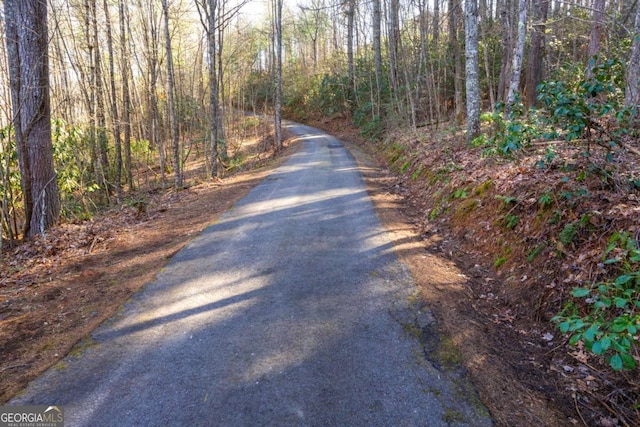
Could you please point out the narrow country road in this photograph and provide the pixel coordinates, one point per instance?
(290, 310)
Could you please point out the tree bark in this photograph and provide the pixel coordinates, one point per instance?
(100, 119)
(126, 99)
(536, 52)
(472, 67)
(454, 12)
(27, 49)
(173, 119)
(351, 11)
(278, 42)
(596, 35)
(114, 105)
(377, 53)
(632, 82)
(518, 54)
(213, 87)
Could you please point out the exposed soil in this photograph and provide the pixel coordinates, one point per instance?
(54, 291)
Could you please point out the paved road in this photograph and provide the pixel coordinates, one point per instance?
(291, 310)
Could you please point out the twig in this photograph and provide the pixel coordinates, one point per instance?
(24, 365)
(575, 402)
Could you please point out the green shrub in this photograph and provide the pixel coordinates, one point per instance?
(605, 316)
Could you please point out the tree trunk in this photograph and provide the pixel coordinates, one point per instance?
(536, 52)
(454, 12)
(100, 119)
(27, 40)
(596, 35)
(278, 42)
(377, 53)
(472, 67)
(221, 137)
(213, 87)
(173, 119)
(351, 11)
(124, 70)
(394, 40)
(518, 54)
(12, 14)
(114, 105)
(436, 22)
(632, 83)
(507, 50)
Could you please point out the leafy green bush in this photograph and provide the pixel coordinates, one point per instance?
(577, 107)
(607, 318)
(508, 136)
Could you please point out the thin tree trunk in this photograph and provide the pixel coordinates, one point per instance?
(596, 35)
(351, 11)
(377, 53)
(632, 82)
(213, 87)
(507, 50)
(454, 12)
(536, 52)
(473, 80)
(100, 119)
(114, 106)
(518, 54)
(436, 22)
(126, 99)
(278, 42)
(221, 137)
(177, 173)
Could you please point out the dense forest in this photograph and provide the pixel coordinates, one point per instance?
(101, 98)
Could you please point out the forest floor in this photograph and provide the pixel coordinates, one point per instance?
(494, 318)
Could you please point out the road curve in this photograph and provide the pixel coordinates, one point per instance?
(291, 310)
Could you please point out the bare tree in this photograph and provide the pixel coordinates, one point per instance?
(27, 46)
(177, 173)
(114, 105)
(213, 87)
(126, 98)
(277, 4)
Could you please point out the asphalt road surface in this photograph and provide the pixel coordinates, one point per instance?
(291, 310)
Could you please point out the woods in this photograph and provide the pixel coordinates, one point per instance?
(104, 100)
(127, 77)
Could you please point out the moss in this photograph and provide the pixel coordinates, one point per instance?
(448, 353)
(82, 346)
(466, 208)
(451, 416)
(482, 188)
